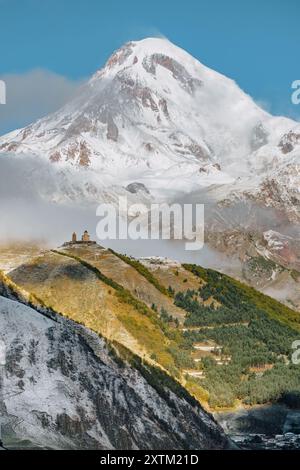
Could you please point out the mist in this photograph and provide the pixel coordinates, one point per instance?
(27, 214)
(32, 95)
(33, 209)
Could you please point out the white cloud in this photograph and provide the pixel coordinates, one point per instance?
(26, 215)
(32, 95)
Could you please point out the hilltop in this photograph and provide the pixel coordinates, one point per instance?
(226, 343)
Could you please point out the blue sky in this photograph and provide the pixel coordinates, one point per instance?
(255, 42)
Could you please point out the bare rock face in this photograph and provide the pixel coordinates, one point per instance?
(121, 55)
(63, 387)
(259, 137)
(179, 72)
(277, 192)
(136, 187)
(289, 141)
(77, 152)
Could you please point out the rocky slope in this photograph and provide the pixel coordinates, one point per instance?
(64, 387)
(265, 259)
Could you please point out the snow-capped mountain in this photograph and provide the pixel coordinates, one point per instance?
(156, 116)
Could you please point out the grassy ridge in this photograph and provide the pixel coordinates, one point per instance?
(165, 344)
(265, 340)
(259, 344)
(123, 294)
(232, 294)
(156, 377)
(141, 269)
(11, 290)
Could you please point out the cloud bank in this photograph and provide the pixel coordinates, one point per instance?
(26, 215)
(33, 95)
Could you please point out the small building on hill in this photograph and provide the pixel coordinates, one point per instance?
(85, 237)
(85, 240)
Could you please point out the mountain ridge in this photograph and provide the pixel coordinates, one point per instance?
(157, 113)
(35, 415)
(116, 298)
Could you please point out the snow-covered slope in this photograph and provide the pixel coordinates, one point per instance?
(157, 116)
(63, 387)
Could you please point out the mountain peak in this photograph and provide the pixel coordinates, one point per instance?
(144, 56)
(155, 108)
(152, 45)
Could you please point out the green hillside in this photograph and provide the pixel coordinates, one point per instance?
(223, 341)
(256, 335)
